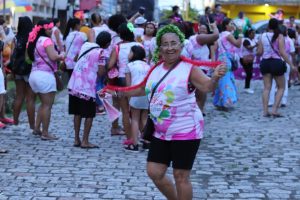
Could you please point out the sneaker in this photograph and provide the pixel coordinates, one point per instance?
(2, 126)
(146, 146)
(248, 91)
(100, 112)
(7, 120)
(132, 148)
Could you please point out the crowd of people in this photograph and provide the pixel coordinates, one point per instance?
(122, 52)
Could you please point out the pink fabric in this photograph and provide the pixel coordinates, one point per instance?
(39, 64)
(84, 76)
(112, 112)
(73, 48)
(173, 107)
(48, 42)
(224, 44)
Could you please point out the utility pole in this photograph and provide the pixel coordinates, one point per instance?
(53, 9)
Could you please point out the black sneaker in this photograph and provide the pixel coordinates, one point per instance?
(146, 145)
(132, 148)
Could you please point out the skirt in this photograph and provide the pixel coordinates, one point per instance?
(83, 108)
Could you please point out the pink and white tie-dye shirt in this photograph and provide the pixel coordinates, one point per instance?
(83, 80)
(173, 107)
(39, 64)
(225, 45)
(74, 42)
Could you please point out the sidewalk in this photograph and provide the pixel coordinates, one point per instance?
(243, 156)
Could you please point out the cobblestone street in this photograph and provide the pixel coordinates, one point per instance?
(243, 156)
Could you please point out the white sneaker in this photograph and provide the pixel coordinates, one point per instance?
(248, 91)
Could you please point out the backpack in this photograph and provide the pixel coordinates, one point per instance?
(19, 63)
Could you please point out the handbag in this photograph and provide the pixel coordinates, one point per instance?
(283, 63)
(57, 74)
(233, 60)
(63, 65)
(149, 127)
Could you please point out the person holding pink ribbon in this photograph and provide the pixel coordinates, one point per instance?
(178, 122)
(44, 57)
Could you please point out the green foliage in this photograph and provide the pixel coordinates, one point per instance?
(192, 16)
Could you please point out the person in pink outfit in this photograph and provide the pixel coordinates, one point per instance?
(178, 121)
(44, 57)
(82, 86)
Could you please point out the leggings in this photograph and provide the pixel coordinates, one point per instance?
(249, 71)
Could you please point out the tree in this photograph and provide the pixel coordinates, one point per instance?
(192, 14)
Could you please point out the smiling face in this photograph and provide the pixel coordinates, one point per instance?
(171, 47)
(203, 29)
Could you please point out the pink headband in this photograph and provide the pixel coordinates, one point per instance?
(36, 29)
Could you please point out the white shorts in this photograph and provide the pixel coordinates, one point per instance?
(2, 83)
(42, 82)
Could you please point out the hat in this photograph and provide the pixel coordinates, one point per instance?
(140, 20)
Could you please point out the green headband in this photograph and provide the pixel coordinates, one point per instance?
(166, 29)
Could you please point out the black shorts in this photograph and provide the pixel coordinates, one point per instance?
(272, 66)
(181, 153)
(82, 107)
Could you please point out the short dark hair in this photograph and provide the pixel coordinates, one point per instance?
(56, 20)
(103, 39)
(138, 53)
(248, 32)
(125, 33)
(96, 18)
(217, 5)
(174, 8)
(115, 21)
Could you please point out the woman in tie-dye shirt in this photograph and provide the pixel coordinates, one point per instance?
(177, 119)
(74, 41)
(82, 86)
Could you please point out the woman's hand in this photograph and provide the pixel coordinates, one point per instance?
(220, 71)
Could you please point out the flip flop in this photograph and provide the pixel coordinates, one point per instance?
(90, 146)
(37, 132)
(3, 151)
(77, 145)
(267, 115)
(277, 115)
(49, 137)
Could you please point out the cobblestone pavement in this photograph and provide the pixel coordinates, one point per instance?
(243, 156)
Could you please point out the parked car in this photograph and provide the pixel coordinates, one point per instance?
(261, 26)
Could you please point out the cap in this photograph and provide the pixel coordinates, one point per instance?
(140, 20)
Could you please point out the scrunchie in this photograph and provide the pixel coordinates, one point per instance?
(130, 27)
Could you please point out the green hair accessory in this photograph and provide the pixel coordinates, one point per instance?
(130, 27)
(166, 29)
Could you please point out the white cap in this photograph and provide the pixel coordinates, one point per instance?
(140, 20)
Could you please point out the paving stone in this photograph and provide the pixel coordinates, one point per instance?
(242, 156)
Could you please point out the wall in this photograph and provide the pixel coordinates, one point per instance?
(259, 12)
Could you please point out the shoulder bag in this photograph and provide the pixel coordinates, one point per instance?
(234, 62)
(149, 127)
(63, 65)
(58, 76)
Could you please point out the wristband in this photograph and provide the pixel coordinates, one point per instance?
(241, 35)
